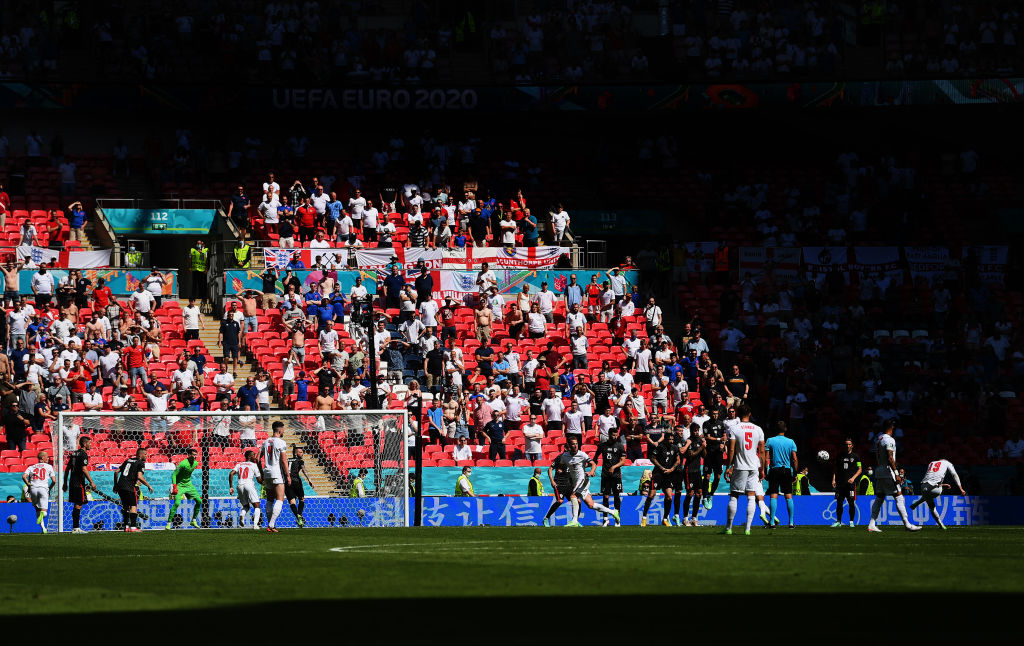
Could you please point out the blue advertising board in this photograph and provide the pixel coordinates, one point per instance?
(522, 511)
(161, 221)
(120, 281)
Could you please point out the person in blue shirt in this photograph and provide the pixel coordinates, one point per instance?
(566, 382)
(338, 306)
(495, 432)
(573, 293)
(296, 262)
(638, 300)
(325, 315)
(690, 365)
(673, 369)
(312, 308)
(393, 285)
(460, 240)
(436, 417)
(531, 232)
(782, 469)
(334, 210)
(314, 294)
(248, 395)
(302, 387)
(500, 369)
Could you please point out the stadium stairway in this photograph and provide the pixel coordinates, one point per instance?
(209, 339)
(323, 483)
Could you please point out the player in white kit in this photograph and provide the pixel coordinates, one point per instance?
(275, 472)
(886, 478)
(248, 475)
(932, 486)
(39, 478)
(759, 489)
(746, 455)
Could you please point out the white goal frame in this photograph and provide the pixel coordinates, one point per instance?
(65, 419)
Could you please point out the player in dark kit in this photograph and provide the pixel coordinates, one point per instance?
(716, 434)
(613, 456)
(694, 454)
(678, 477)
(76, 475)
(128, 475)
(844, 481)
(666, 464)
(295, 492)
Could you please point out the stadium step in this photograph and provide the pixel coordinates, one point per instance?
(323, 482)
(209, 338)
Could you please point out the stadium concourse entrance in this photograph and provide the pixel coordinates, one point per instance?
(170, 251)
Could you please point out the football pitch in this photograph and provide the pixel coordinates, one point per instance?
(226, 571)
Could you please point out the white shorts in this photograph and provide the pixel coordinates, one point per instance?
(583, 488)
(744, 480)
(40, 497)
(272, 477)
(248, 496)
(759, 488)
(930, 491)
(885, 486)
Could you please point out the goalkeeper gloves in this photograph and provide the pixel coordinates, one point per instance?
(174, 490)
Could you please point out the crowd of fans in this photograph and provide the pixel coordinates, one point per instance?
(428, 40)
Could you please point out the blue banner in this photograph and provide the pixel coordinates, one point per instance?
(510, 282)
(516, 511)
(239, 279)
(120, 281)
(161, 221)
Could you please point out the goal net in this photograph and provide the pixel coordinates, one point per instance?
(353, 468)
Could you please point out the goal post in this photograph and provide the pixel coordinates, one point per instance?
(341, 450)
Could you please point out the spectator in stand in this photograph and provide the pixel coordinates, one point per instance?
(238, 208)
(42, 287)
(1014, 447)
(545, 300)
(76, 220)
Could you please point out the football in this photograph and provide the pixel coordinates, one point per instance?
(823, 456)
(12, 519)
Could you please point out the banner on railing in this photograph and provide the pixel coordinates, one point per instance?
(304, 258)
(63, 257)
(468, 258)
(992, 260)
(120, 281)
(782, 263)
(878, 262)
(700, 256)
(928, 263)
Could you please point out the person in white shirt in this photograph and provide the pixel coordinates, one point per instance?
(653, 315)
(356, 204)
(192, 320)
(579, 345)
(618, 284)
(631, 346)
(39, 479)
(607, 425)
(462, 450)
(746, 457)
(575, 319)
(553, 408)
(932, 486)
(886, 477)
(486, 279)
(560, 221)
(142, 300)
(42, 286)
(545, 300)
(247, 473)
(508, 230)
(534, 434)
(428, 313)
(573, 420)
(92, 400)
(370, 217)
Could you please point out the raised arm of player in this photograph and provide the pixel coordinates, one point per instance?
(956, 479)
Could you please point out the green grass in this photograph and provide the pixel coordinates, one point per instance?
(200, 569)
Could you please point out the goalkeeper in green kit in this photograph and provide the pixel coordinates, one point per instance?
(182, 487)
